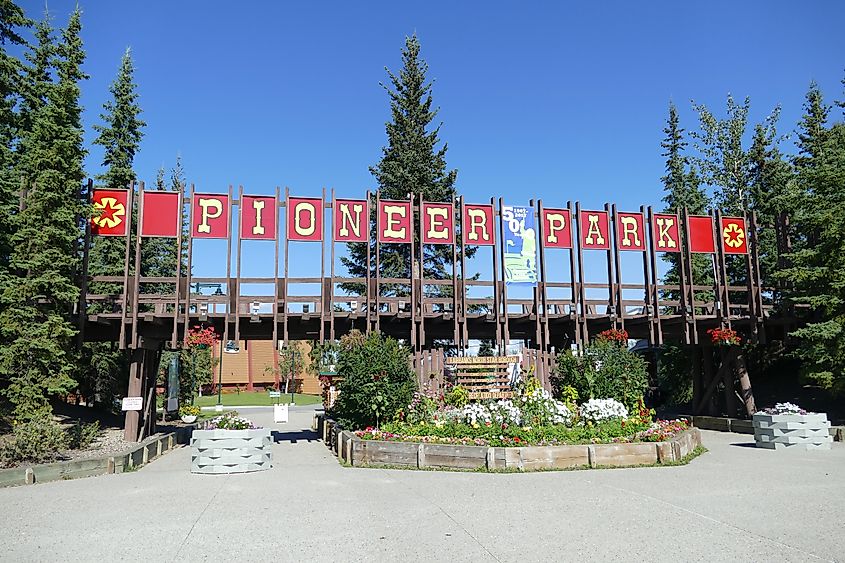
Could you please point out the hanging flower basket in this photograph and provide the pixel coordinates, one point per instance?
(201, 338)
(724, 337)
(614, 335)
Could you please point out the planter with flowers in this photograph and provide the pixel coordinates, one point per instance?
(231, 444)
(789, 426)
(189, 413)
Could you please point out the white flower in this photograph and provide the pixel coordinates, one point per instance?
(597, 410)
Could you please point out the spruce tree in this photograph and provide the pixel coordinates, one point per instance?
(11, 20)
(682, 189)
(772, 197)
(103, 365)
(812, 129)
(818, 269)
(411, 163)
(36, 318)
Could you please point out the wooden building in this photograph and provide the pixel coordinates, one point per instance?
(252, 368)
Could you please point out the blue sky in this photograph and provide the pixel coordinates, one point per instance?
(553, 100)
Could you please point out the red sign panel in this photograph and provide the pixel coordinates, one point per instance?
(259, 217)
(210, 216)
(734, 235)
(477, 226)
(667, 235)
(305, 219)
(594, 230)
(438, 223)
(630, 231)
(557, 228)
(160, 214)
(351, 220)
(111, 213)
(701, 234)
(394, 221)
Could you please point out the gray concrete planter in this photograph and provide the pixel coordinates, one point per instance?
(231, 451)
(357, 452)
(809, 431)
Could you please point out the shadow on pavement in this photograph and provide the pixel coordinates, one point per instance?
(294, 437)
(744, 444)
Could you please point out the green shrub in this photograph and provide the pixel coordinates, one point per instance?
(457, 397)
(606, 370)
(37, 441)
(673, 375)
(377, 380)
(80, 436)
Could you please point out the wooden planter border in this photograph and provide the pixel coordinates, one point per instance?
(129, 460)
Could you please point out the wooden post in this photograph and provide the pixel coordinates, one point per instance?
(455, 314)
(369, 266)
(585, 332)
(323, 298)
(500, 346)
(573, 287)
(331, 270)
(285, 278)
(175, 334)
(124, 298)
(656, 292)
(276, 285)
(544, 303)
(617, 260)
(377, 296)
(238, 270)
(611, 287)
(413, 280)
(646, 283)
(507, 333)
(229, 268)
(137, 285)
(82, 305)
(687, 261)
(189, 274)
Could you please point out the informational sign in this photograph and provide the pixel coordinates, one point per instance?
(520, 245)
(133, 403)
(173, 385)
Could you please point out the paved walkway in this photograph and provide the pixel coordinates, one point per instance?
(735, 503)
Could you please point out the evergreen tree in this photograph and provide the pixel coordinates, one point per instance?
(35, 320)
(818, 269)
(11, 19)
(773, 196)
(411, 163)
(812, 129)
(103, 365)
(682, 189)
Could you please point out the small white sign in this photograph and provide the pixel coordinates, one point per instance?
(280, 413)
(133, 403)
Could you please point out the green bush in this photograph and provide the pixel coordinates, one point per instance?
(80, 436)
(457, 396)
(606, 370)
(377, 380)
(37, 441)
(673, 375)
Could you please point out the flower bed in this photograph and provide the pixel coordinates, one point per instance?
(532, 431)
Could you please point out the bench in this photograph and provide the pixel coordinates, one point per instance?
(484, 377)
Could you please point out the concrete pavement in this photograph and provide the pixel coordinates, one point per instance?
(734, 503)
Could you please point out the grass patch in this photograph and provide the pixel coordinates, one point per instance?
(255, 399)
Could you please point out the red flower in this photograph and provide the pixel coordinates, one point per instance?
(614, 335)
